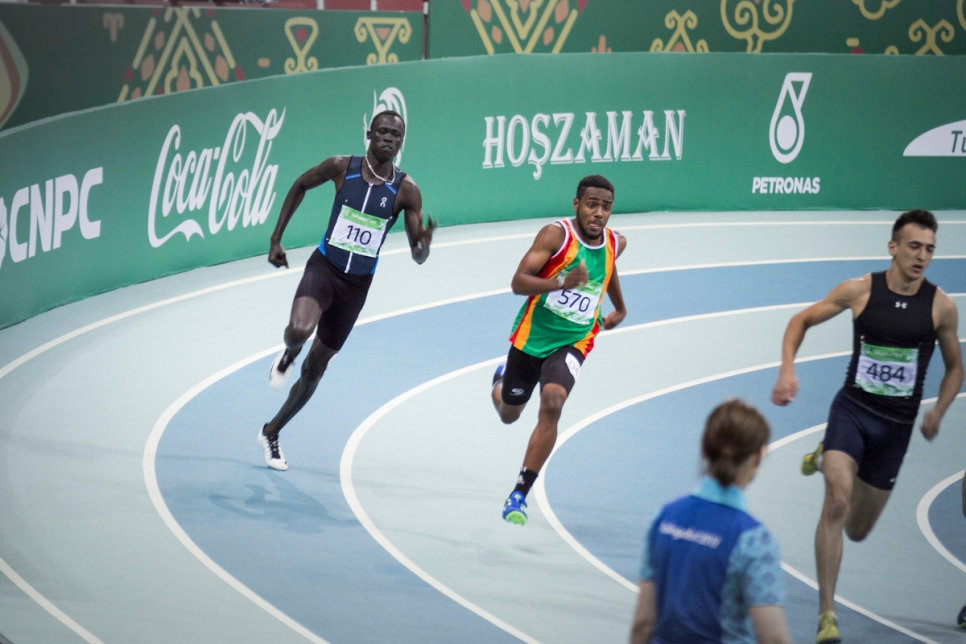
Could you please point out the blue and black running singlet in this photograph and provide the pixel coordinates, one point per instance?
(362, 214)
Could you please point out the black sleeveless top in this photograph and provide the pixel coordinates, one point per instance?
(362, 215)
(892, 341)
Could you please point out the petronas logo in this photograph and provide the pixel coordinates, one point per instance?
(787, 131)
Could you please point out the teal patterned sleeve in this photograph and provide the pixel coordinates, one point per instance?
(760, 558)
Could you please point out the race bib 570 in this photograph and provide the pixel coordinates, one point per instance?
(579, 305)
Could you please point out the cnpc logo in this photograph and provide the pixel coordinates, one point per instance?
(40, 216)
(551, 138)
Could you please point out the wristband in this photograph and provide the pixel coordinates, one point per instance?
(560, 281)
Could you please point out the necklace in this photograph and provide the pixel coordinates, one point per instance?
(384, 180)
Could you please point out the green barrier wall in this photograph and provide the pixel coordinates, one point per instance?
(126, 193)
(80, 57)
(471, 27)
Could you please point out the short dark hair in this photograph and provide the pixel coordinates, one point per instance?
(388, 113)
(922, 218)
(593, 181)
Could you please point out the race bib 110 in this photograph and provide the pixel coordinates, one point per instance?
(358, 232)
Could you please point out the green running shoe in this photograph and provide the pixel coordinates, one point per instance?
(812, 462)
(828, 629)
(515, 509)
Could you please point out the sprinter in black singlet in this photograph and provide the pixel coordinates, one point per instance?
(370, 193)
(897, 318)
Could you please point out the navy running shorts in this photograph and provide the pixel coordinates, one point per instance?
(523, 372)
(875, 443)
(341, 297)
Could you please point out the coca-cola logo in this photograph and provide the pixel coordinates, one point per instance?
(230, 182)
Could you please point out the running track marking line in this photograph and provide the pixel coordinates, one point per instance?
(922, 517)
(348, 489)
(539, 488)
(46, 604)
(9, 367)
(154, 492)
(922, 512)
(348, 455)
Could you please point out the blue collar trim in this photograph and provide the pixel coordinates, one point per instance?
(710, 490)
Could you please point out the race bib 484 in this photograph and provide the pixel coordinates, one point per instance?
(887, 371)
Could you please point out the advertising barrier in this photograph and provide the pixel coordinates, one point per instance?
(127, 193)
(79, 57)
(472, 27)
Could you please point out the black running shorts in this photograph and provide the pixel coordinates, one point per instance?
(877, 444)
(524, 371)
(341, 297)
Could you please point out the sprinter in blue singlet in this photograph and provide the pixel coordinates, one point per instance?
(371, 192)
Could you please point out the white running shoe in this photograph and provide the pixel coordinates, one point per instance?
(281, 369)
(274, 457)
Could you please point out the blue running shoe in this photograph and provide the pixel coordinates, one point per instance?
(961, 618)
(498, 374)
(515, 509)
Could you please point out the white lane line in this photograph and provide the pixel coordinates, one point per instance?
(47, 605)
(543, 503)
(922, 517)
(348, 489)
(862, 611)
(539, 488)
(922, 511)
(11, 366)
(738, 224)
(30, 355)
(154, 492)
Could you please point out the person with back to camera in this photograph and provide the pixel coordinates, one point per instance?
(711, 572)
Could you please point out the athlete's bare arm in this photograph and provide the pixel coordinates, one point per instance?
(645, 615)
(548, 241)
(946, 319)
(769, 624)
(411, 201)
(850, 294)
(332, 169)
(616, 316)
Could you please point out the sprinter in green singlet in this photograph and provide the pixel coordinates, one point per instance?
(565, 274)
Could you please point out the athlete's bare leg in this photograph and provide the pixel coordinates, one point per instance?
(864, 509)
(508, 413)
(313, 367)
(544, 436)
(850, 504)
(302, 321)
(839, 470)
